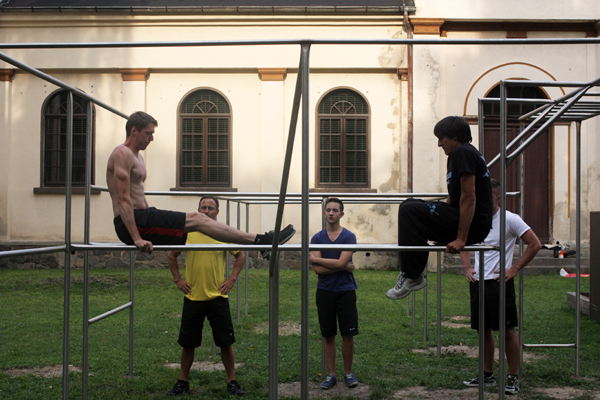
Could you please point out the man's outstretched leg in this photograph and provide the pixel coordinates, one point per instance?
(198, 222)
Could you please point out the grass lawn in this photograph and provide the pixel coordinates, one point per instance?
(31, 327)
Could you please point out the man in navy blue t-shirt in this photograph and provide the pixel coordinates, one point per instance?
(465, 217)
(336, 292)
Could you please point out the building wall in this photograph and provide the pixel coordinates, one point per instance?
(260, 109)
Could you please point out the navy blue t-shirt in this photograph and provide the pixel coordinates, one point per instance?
(338, 281)
(466, 159)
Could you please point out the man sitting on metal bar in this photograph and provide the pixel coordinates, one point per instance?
(206, 297)
(136, 223)
(336, 292)
(515, 228)
(465, 217)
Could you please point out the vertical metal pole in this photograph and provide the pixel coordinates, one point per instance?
(246, 262)
(502, 335)
(131, 309)
(439, 304)
(86, 240)
(481, 284)
(578, 252)
(481, 331)
(305, 217)
(273, 263)
(521, 274)
(227, 258)
(67, 275)
(425, 314)
(414, 308)
(237, 293)
(324, 371)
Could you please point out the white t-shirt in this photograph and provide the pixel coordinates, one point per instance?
(515, 228)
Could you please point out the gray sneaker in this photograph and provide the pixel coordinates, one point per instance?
(406, 285)
(487, 381)
(512, 384)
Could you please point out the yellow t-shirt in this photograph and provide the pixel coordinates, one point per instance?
(204, 270)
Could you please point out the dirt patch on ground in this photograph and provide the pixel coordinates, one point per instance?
(286, 328)
(49, 371)
(450, 324)
(567, 393)
(293, 389)
(471, 352)
(420, 392)
(204, 366)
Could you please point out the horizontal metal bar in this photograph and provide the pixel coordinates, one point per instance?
(516, 100)
(58, 83)
(288, 247)
(552, 84)
(262, 42)
(109, 313)
(39, 250)
(550, 345)
(275, 195)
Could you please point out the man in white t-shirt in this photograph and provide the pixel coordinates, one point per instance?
(515, 228)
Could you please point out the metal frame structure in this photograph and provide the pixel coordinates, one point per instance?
(300, 99)
(568, 108)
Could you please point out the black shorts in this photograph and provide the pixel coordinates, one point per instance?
(192, 322)
(160, 227)
(342, 305)
(492, 305)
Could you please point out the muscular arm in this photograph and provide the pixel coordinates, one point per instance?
(174, 266)
(533, 246)
(467, 210)
(118, 177)
(238, 264)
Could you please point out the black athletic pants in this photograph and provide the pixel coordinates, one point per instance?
(420, 221)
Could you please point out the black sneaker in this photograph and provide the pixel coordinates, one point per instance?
(234, 388)
(284, 235)
(512, 384)
(487, 381)
(180, 388)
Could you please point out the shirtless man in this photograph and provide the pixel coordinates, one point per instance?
(136, 223)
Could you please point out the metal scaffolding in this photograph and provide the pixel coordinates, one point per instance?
(560, 109)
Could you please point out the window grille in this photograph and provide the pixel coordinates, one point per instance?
(54, 151)
(205, 140)
(343, 140)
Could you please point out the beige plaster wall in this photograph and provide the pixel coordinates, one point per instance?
(509, 9)
(260, 110)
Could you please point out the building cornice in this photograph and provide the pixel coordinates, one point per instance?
(519, 29)
(135, 74)
(6, 75)
(272, 74)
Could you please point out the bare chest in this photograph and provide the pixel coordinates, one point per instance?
(138, 171)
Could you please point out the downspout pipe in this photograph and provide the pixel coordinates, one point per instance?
(409, 78)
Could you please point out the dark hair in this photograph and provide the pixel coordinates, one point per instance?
(213, 198)
(140, 120)
(453, 127)
(495, 184)
(334, 200)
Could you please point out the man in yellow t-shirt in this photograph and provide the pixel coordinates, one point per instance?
(206, 297)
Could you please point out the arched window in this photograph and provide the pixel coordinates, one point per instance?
(54, 151)
(343, 140)
(204, 140)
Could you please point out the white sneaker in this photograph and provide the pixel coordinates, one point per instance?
(406, 285)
